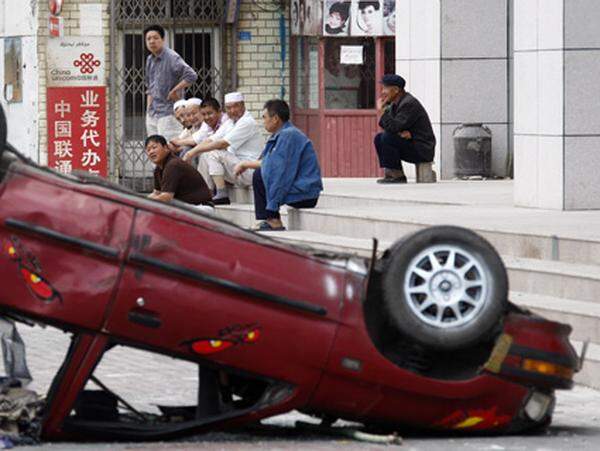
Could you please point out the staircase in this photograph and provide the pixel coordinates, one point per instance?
(552, 257)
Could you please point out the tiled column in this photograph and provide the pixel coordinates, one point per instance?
(557, 111)
(454, 55)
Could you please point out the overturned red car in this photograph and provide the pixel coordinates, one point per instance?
(422, 337)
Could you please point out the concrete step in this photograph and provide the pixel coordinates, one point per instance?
(584, 317)
(527, 236)
(549, 278)
(554, 278)
(239, 195)
(243, 214)
(590, 373)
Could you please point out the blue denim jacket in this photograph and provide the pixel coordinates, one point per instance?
(289, 168)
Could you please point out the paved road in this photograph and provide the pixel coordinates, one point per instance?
(146, 379)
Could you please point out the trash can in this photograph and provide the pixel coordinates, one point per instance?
(472, 150)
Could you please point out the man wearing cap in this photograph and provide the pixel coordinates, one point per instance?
(407, 133)
(212, 120)
(192, 123)
(167, 76)
(242, 141)
(179, 112)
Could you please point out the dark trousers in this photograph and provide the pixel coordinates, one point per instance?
(392, 150)
(260, 199)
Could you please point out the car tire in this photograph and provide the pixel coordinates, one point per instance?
(445, 287)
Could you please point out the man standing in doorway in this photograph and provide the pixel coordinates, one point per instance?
(407, 133)
(167, 76)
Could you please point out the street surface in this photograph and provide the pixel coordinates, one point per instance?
(145, 379)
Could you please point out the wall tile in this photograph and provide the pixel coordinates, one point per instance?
(581, 24)
(582, 92)
(550, 92)
(403, 29)
(474, 91)
(550, 24)
(474, 28)
(525, 88)
(499, 148)
(582, 166)
(525, 15)
(526, 174)
(424, 83)
(550, 172)
(424, 29)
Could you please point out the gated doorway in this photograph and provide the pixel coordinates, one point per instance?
(197, 31)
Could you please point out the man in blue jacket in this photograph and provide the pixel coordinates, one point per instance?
(288, 171)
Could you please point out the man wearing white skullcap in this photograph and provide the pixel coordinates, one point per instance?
(228, 146)
(179, 111)
(192, 121)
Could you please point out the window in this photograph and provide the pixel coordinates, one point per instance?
(349, 86)
(134, 58)
(307, 73)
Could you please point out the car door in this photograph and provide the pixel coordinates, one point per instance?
(61, 247)
(199, 287)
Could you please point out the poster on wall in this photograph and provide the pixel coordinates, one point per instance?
(389, 17)
(306, 18)
(76, 105)
(366, 18)
(336, 17)
(309, 17)
(295, 18)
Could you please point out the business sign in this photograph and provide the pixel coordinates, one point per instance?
(76, 61)
(76, 105)
(77, 129)
(351, 54)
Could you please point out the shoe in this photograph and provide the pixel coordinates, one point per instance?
(264, 226)
(387, 180)
(221, 201)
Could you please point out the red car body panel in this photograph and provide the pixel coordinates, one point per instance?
(162, 278)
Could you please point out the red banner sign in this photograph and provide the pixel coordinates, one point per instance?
(77, 129)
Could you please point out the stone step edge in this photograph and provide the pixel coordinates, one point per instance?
(364, 247)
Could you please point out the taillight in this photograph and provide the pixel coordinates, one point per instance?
(547, 368)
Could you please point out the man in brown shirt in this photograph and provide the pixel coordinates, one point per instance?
(174, 178)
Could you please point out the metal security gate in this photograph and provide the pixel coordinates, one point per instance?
(196, 30)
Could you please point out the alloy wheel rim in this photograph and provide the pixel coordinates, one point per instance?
(445, 286)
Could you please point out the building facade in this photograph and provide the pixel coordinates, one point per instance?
(231, 44)
(526, 69)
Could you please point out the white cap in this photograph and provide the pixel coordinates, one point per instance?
(194, 101)
(234, 97)
(179, 104)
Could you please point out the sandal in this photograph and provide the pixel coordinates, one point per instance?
(264, 226)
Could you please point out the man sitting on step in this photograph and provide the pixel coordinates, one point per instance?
(288, 171)
(228, 146)
(407, 133)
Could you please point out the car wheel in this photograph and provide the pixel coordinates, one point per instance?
(3, 131)
(445, 287)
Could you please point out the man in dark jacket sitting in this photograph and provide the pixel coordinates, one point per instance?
(407, 134)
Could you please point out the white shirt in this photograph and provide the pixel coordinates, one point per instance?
(206, 130)
(185, 133)
(244, 138)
